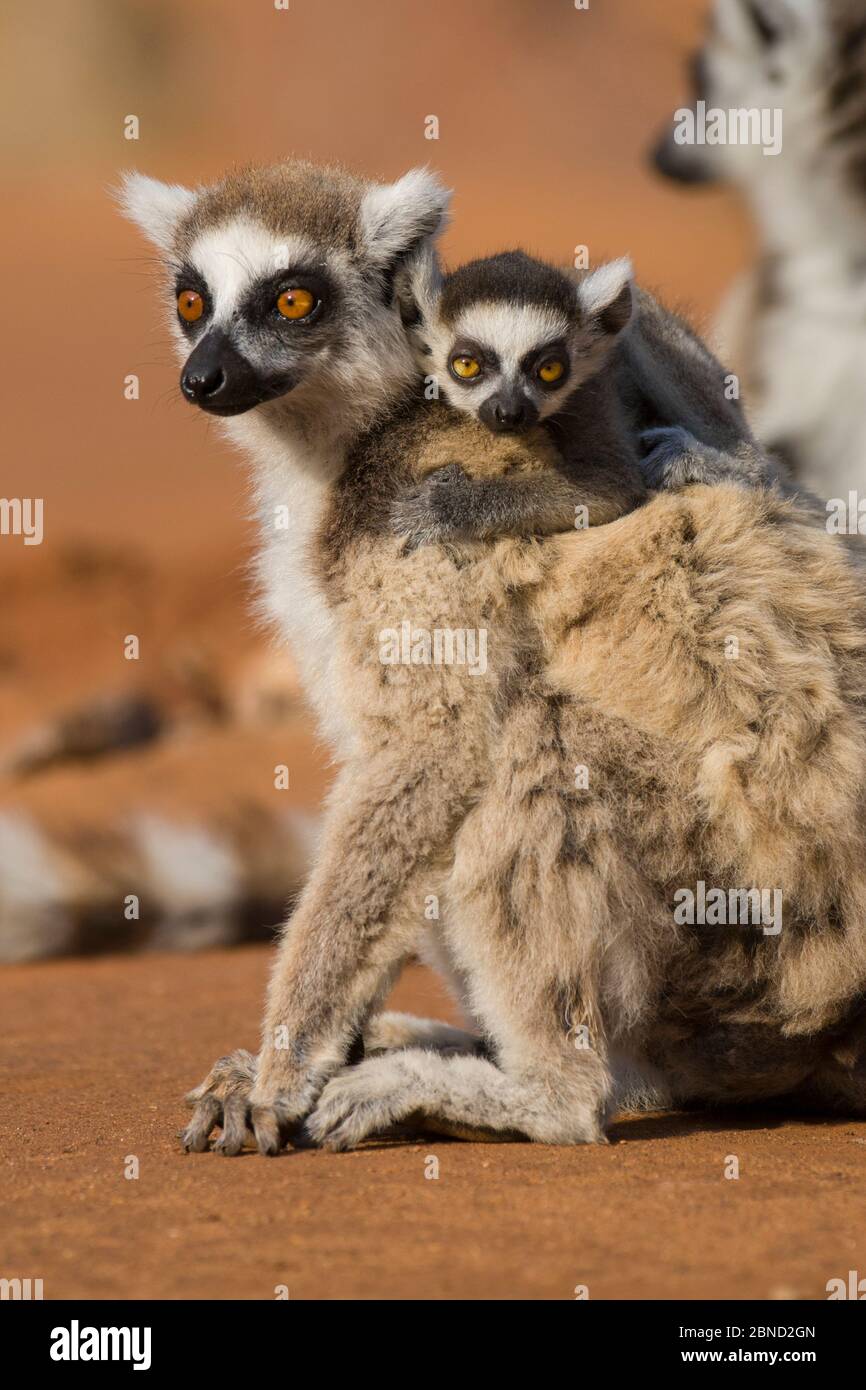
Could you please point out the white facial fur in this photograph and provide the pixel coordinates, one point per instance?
(745, 73)
(232, 257)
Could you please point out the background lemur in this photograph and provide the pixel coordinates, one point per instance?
(795, 328)
(504, 339)
(333, 435)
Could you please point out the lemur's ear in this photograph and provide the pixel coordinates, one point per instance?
(396, 217)
(418, 285)
(606, 297)
(154, 207)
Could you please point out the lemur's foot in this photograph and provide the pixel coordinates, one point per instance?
(431, 511)
(363, 1100)
(468, 1097)
(223, 1099)
(673, 457)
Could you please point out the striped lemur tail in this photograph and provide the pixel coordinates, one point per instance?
(149, 881)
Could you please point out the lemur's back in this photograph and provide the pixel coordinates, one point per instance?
(722, 625)
(666, 375)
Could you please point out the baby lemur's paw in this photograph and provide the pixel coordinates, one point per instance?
(362, 1100)
(223, 1099)
(432, 510)
(673, 457)
(676, 458)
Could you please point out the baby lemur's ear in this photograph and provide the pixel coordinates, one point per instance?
(606, 298)
(397, 218)
(155, 207)
(417, 289)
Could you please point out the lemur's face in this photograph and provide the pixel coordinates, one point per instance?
(508, 365)
(509, 338)
(256, 318)
(758, 56)
(281, 280)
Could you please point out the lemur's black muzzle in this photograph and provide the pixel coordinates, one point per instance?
(508, 412)
(219, 380)
(682, 163)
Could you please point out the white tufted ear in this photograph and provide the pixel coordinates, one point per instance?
(606, 296)
(154, 207)
(396, 216)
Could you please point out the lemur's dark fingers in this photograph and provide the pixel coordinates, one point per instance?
(206, 1114)
(235, 1123)
(267, 1130)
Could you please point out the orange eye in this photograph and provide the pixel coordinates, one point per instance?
(551, 371)
(190, 305)
(296, 303)
(465, 367)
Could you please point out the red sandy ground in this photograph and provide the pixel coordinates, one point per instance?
(650, 1216)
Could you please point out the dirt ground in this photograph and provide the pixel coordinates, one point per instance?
(650, 1216)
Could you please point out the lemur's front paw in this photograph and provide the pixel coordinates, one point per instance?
(431, 511)
(671, 459)
(223, 1099)
(362, 1100)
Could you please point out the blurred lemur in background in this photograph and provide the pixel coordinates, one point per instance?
(795, 327)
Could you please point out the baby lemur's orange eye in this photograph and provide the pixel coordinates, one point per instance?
(465, 367)
(551, 371)
(296, 303)
(190, 305)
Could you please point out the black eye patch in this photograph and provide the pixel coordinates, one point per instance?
(467, 347)
(259, 305)
(555, 350)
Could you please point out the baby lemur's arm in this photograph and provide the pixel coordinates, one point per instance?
(476, 485)
(451, 505)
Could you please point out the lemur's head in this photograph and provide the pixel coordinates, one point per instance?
(509, 338)
(806, 58)
(282, 280)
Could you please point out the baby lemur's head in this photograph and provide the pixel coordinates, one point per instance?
(509, 338)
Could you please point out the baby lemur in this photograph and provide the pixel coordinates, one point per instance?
(542, 741)
(501, 339)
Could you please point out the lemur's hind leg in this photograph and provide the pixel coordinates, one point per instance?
(466, 1096)
(548, 919)
(675, 458)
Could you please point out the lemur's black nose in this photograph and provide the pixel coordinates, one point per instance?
(218, 379)
(510, 416)
(199, 385)
(508, 410)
